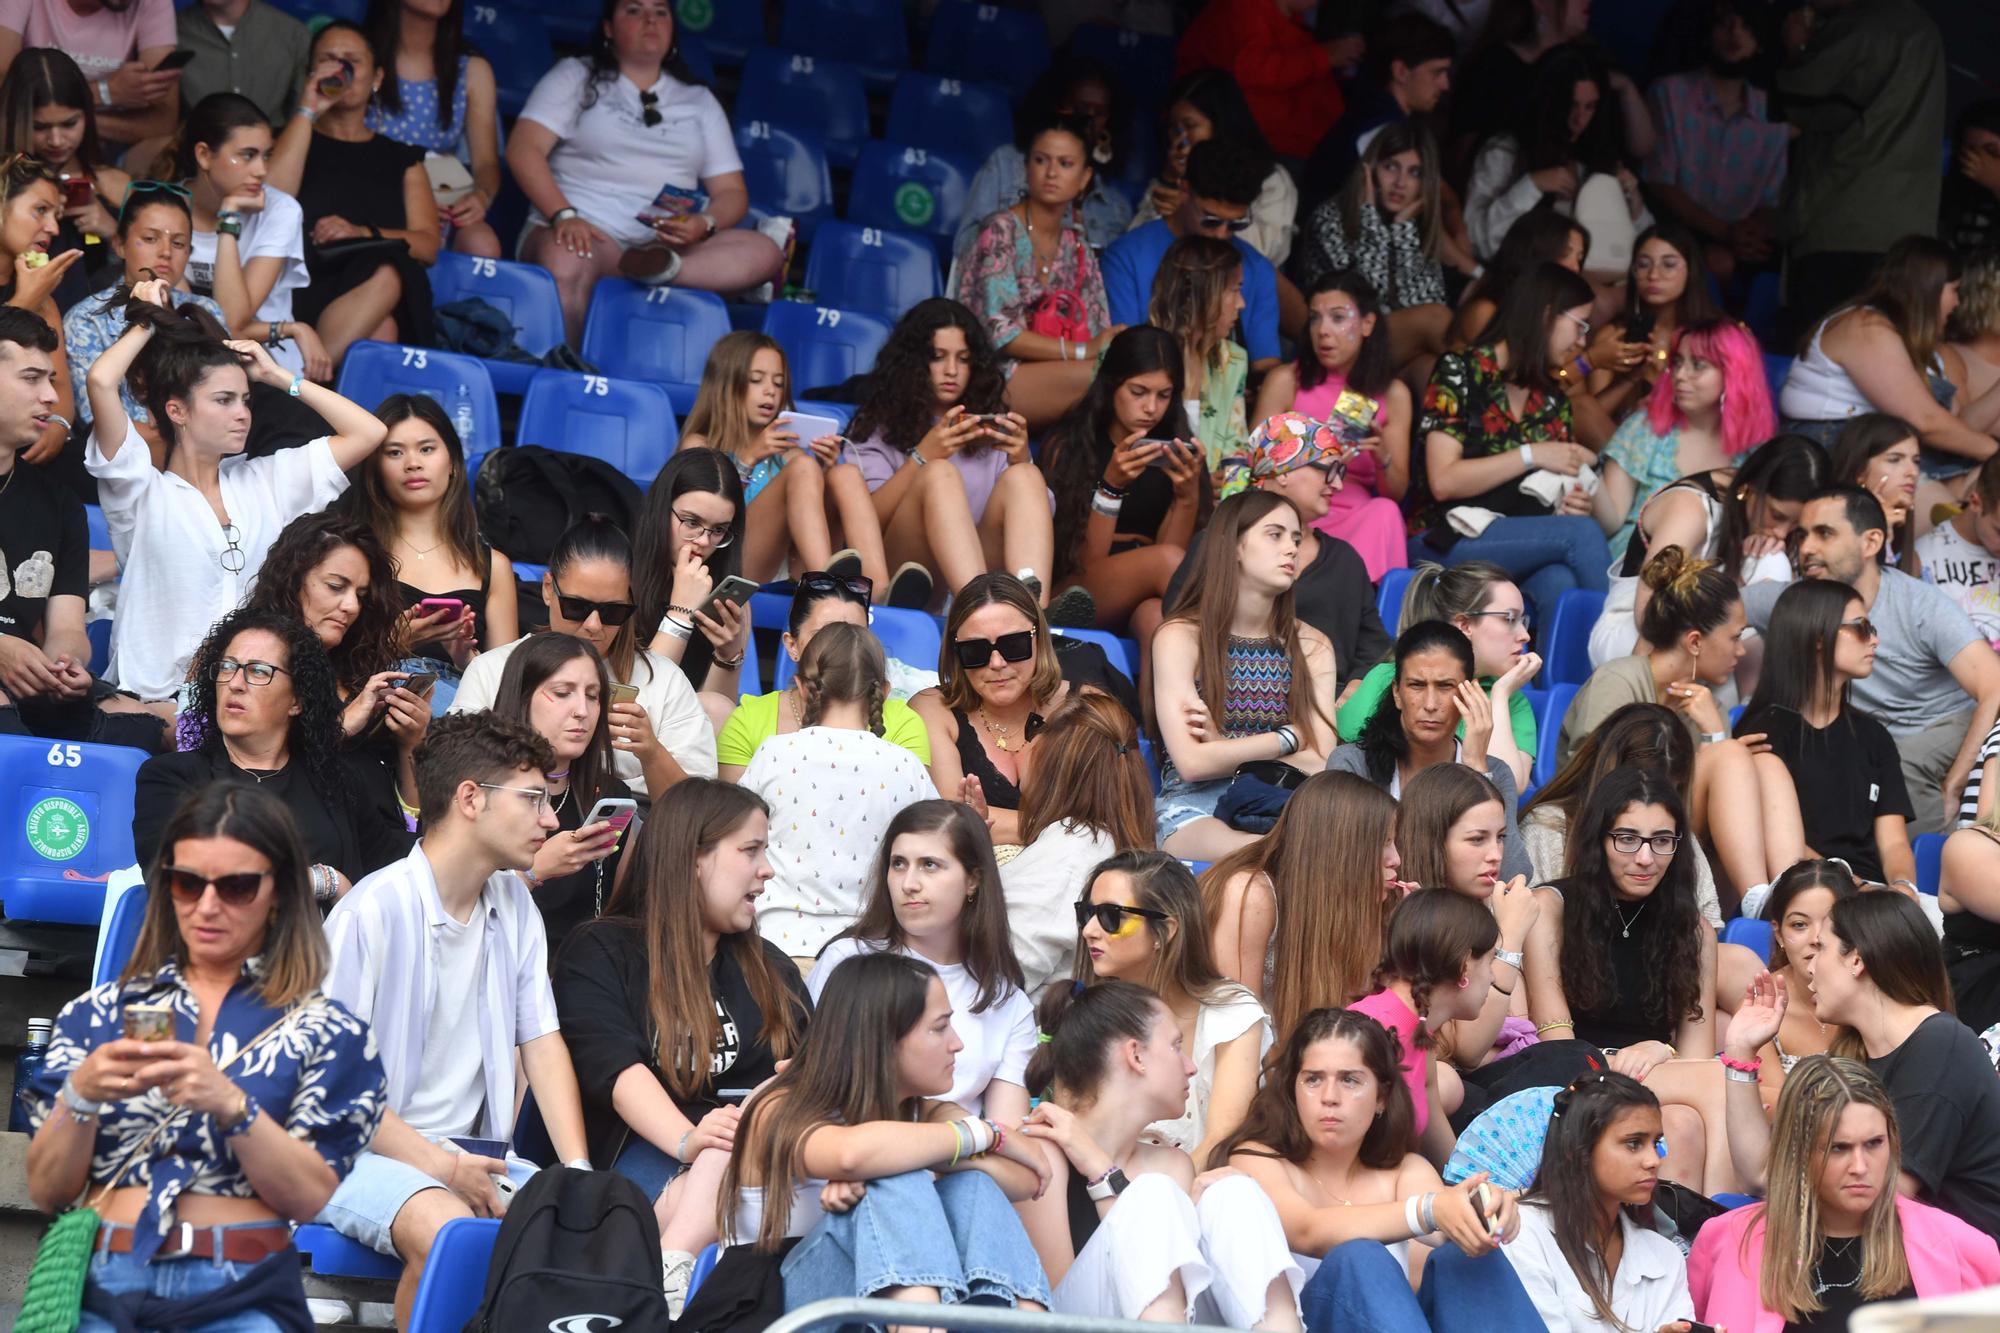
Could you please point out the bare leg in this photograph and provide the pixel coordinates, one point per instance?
(933, 526)
(686, 1208)
(1416, 331)
(1281, 1308)
(1784, 826)
(1686, 1144)
(385, 332)
(852, 511)
(1042, 391)
(732, 260)
(805, 512)
(1734, 967)
(1205, 839)
(1693, 1091)
(575, 275)
(915, 1296)
(1727, 813)
(1017, 531)
(789, 511)
(1121, 583)
(478, 239)
(354, 315)
(415, 1228)
(1169, 1307)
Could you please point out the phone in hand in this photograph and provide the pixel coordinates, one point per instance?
(735, 589)
(614, 810)
(737, 1095)
(149, 1022)
(1167, 456)
(78, 191)
(418, 682)
(622, 693)
(493, 1148)
(452, 604)
(177, 58)
(1640, 327)
(808, 426)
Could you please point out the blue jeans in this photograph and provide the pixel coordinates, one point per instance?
(1547, 556)
(647, 1167)
(1360, 1288)
(957, 1233)
(178, 1280)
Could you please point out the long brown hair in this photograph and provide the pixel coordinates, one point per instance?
(661, 893)
(458, 522)
(1905, 289)
(1087, 771)
(1208, 603)
(982, 923)
(1899, 950)
(954, 685)
(1188, 291)
(718, 412)
(1271, 1127)
(529, 666)
(1434, 799)
(1324, 861)
(1433, 935)
(1183, 959)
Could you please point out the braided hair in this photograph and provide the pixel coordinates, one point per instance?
(1433, 936)
(843, 664)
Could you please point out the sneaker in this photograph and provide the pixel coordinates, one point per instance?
(329, 1311)
(846, 563)
(676, 1276)
(910, 588)
(1034, 583)
(651, 266)
(1073, 608)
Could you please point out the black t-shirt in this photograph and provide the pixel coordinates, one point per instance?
(1837, 1280)
(1948, 1107)
(44, 549)
(1848, 774)
(1333, 595)
(603, 1003)
(571, 900)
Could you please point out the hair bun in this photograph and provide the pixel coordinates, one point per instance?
(1675, 571)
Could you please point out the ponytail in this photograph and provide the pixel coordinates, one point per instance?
(187, 343)
(1079, 1025)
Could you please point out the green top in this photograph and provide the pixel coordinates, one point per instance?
(1361, 705)
(756, 719)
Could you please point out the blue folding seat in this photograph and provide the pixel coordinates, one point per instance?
(1929, 849)
(662, 334)
(372, 371)
(1777, 369)
(787, 174)
(875, 269)
(823, 345)
(871, 35)
(1752, 934)
(985, 41)
(454, 1280)
(956, 115)
(730, 29)
(910, 637)
(1565, 645)
(627, 423)
(121, 935)
(1122, 653)
(525, 293)
(1143, 61)
(916, 189)
(305, 11)
(1548, 726)
(334, 1255)
(811, 93)
(67, 806)
(1389, 597)
(515, 41)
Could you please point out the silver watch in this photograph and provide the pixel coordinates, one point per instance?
(561, 215)
(1511, 957)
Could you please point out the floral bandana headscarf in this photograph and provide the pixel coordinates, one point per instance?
(1283, 444)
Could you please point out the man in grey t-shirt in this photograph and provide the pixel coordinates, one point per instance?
(1936, 683)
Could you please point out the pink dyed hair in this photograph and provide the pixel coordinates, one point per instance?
(1748, 418)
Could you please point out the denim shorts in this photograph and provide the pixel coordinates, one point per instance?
(364, 1206)
(647, 1167)
(1181, 802)
(176, 1279)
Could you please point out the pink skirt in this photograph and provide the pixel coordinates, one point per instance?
(1372, 525)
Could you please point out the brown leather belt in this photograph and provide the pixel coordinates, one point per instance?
(240, 1244)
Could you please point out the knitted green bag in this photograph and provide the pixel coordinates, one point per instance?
(54, 1301)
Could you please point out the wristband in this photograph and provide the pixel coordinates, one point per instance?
(1527, 458)
(1511, 957)
(709, 220)
(681, 1148)
(727, 663)
(1115, 492)
(1411, 1221)
(1559, 1023)
(292, 389)
(1583, 367)
(1083, 351)
(79, 1105)
(1107, 505)
(1712, 737)
(534, 880)
(674, 629)
(229, 223)
(1906, 884)
(104, 91)
(1430, 1213)
(917, 457)
(1728, 1061)
(1062, 349)
(1738, 1075)
(578, 1164)
(312, 116)
(1288, 741)
(561, 215)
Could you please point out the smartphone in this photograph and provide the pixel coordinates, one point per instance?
(177, 58)
(493, 1148)
(452, 604)
(735, 588)
(1640, 327)
(504, 1186)
(673, 201)
(149, 1022)
(1696, 1326)
(624, 694)
(419, 683)
(808, 427)
(78, 191)
(1484, 1204)
(733, 1094)
(615, 810)
(1166, 456)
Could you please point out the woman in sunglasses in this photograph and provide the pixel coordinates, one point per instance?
(822, 599)
(1843, 763)
(690, 539)
(659, 734)
(195, 1157)
(266, 710)
(832, 785)
(1141, 919)
(1618, 956)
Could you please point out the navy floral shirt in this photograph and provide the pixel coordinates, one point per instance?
(319, 1077)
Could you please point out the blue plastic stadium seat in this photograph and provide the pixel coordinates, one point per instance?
(806, 92)
(1752, 934)
(455, 1278)
(1929, 848)
(1152, 763)
(1389, 597)
(986, 41)
(66, 806)
(1142, 60)
(875, 269)
(786, 172)
(911, 637)
(869, 34)
(373, 371)
(704, 1264)
(515, 41)
(918, 189)
(728, 28)
(1776, 370)
(305, 11)
(700, 60)
(99, 633)
(1735, 1201)
(335, 1255)
(1566, 643)
(627, 423)
(525, 293)
(1548, 725)
(824, 345)
(121, 933)
(100, 528)
(1124, 653)
(951, 114)
(661, 334)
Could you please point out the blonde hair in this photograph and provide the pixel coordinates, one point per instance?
(1817, 1090)
(1978, 297)
(1188, 290)
(718, 414)
(843, 664)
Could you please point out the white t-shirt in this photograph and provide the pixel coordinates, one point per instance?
(1043, 883)
(100, 42)
(447, 1102)
(276, 231)
(997, 1041)
(664, 693)
(832, 793)
(1968, 573)
(610, 163)
(170, 546)
(1649, 1289)
(1216, 1025)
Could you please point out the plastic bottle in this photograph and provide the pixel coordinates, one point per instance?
(26, 1066)
(462, 419)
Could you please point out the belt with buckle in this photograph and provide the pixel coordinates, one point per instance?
(237, 1244)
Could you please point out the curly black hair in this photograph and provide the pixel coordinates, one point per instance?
(314, 742)
(898, 404)
(372, 643)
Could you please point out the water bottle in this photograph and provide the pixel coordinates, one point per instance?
(461, 419)
(26, 1066)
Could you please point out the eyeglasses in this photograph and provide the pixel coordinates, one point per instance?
(1237, 226)
(136, 195)
(259, 673)
(232, 555)
(1510, 618)
(1582, 325)
(649, 104)
(819, 583)
(1863, 627)
(579, 609)
(540, 794)
(1626, 842)
(234, 890)
(975, 653)
(694, 527)
(1111, 917)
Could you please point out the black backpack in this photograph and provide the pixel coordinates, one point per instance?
(577, 1249)
(527, 497)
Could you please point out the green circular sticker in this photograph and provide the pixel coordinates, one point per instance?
(58, 830)
(915, 204)
(696, 14)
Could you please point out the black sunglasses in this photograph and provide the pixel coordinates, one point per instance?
(975, 653)
(649, 103)
(580, 609)
(819, 583)
(188, 886)
(1111, 916)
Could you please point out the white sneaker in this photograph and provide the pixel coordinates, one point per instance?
(328, 1311)
(676, 1276)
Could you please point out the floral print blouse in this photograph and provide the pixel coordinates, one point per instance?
(1389, 254)
(998, 281)
(1467, 400)
(318, 1076)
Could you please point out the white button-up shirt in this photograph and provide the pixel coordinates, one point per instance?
(383, 937)
(1649, 1289)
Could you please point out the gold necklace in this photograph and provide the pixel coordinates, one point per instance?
(798, 718)
(1315, 1178)
(422, 551)
(1045, 267)
(996, 732)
